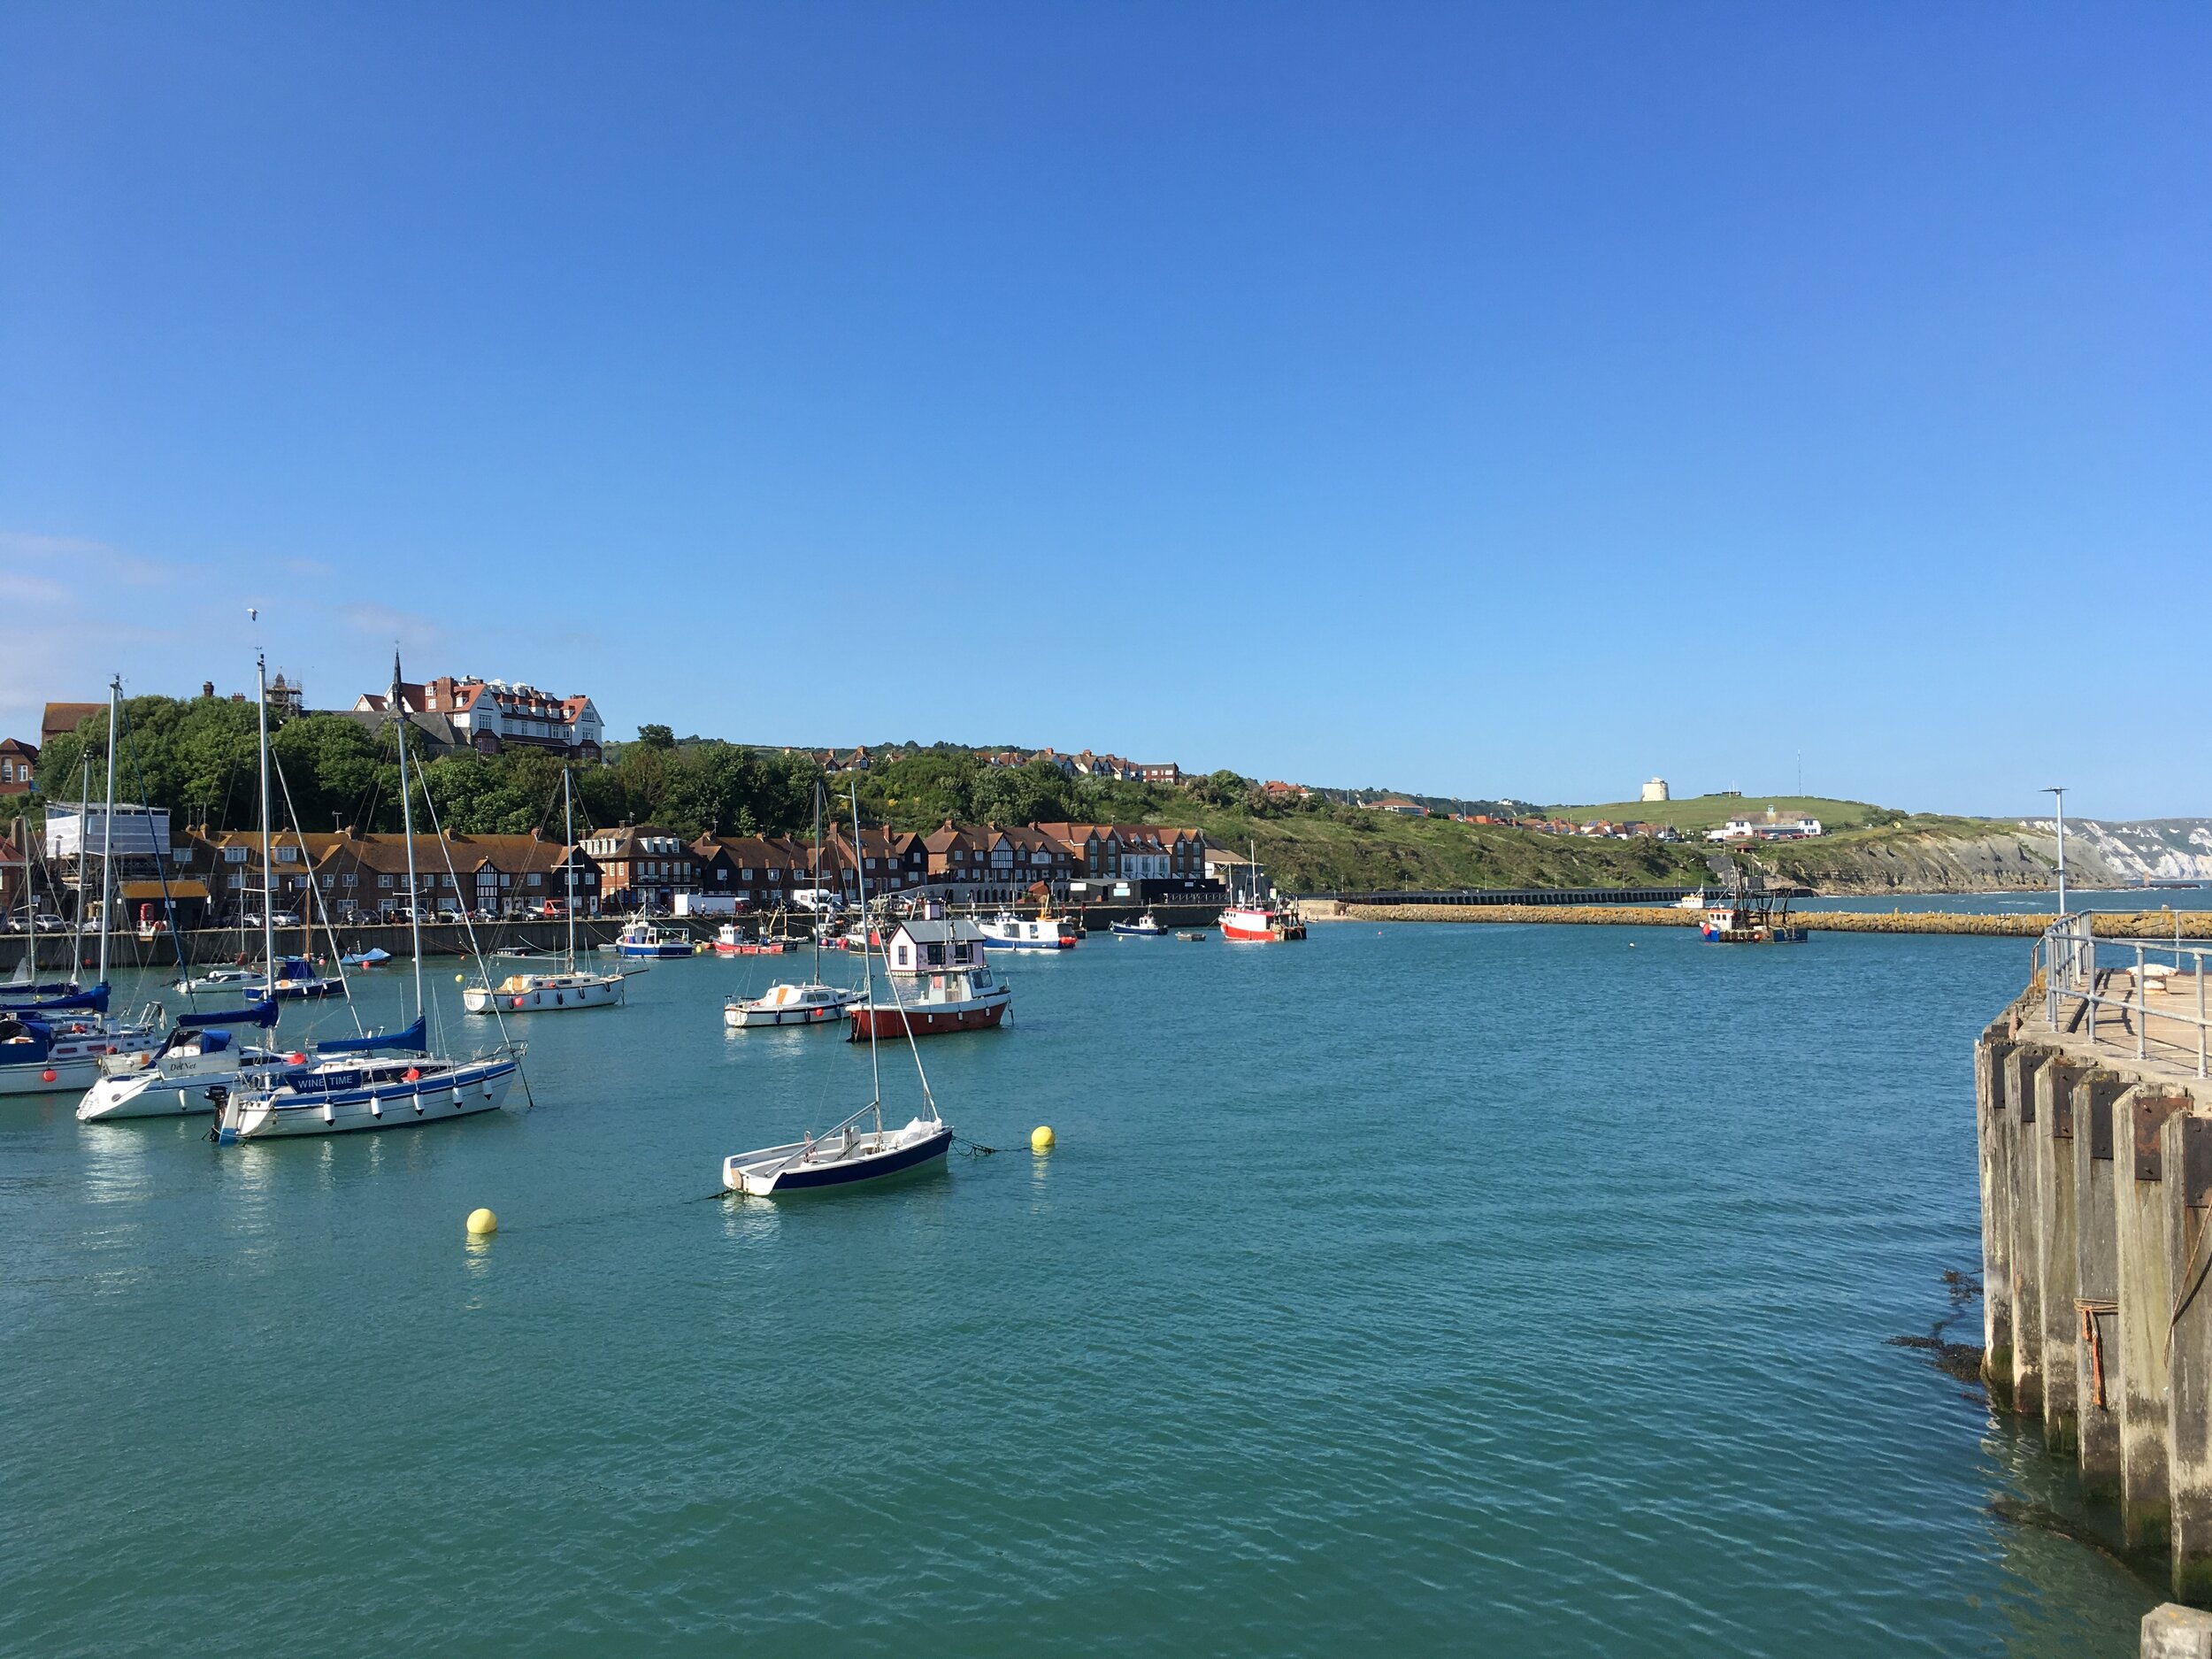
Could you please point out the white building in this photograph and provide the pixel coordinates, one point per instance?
(1657, 790)
(490, 714)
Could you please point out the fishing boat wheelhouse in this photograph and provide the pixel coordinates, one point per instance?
(942, 982)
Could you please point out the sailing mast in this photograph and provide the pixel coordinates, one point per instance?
(568, 862)
(84, 811)
(860, 877)
(107, 826)
(268, 901)
(407, 834)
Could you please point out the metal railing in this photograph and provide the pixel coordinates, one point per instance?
(2074, 987)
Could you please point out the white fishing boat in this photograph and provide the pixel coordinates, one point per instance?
(379, 1081)
(1045, 932)
(940, 982)
(640, 938)
(849, 1152)
(529, 992)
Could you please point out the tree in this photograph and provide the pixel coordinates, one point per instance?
(657, 736)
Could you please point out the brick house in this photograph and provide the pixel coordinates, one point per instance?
(18, 765)
(641, 865)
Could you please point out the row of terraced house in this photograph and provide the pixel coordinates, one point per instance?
(214, 876)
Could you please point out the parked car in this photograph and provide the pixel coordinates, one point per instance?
(448, 913)
(284, 918)
(48, 922)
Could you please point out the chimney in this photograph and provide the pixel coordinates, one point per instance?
(207, 688)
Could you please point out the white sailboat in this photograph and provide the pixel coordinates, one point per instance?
(59, 1043)
(538, 993)
(203, 1061)
(794, 1003)
(849, 1152)
(381, 1081)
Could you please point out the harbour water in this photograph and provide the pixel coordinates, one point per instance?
(1520, 1288)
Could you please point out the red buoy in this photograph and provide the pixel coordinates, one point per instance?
(48, 1075)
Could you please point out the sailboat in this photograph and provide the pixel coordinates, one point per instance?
(848, 1152)
(536, 993)
(792, 1002)
(381, 1081)
(203, 1061)
(57, 1042)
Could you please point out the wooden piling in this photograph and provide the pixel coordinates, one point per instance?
(2185, 1153)
(2145, 1304)
(2057, 1268)
(2027, 1221)
(2097, 1285)
(1995, 1138)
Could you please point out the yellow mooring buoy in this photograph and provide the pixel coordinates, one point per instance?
(482, 1222)
(1040, 1138)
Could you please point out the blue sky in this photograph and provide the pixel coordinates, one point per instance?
(1521, 399)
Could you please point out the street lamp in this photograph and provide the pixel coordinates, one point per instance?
(2058, 794)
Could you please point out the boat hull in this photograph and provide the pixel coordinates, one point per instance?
(754, 1019)
(928, 1019)
(71, 1067)
(467, 1089)
(1260, 927)
(151, 1095)
(545, 998)
(790, 1176)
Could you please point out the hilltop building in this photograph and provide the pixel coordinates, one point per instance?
(490, 715)
(1657, 790)
(18, 765)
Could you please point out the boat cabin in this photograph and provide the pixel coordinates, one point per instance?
(932, 945)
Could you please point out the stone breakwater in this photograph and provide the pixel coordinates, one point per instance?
(2138, 924)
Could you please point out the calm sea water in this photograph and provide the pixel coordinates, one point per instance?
(1519, 1289)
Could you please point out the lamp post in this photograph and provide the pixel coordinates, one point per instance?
(2058, 794)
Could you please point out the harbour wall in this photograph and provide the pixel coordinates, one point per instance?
(2151, 924)
(2094, 1150)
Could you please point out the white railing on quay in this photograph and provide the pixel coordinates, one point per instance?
(2074, 987)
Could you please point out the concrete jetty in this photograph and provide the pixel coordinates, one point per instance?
(2115, 925)
(2094, 1125)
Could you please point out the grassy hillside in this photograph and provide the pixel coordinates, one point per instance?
(1342, 850)
(1699, 813)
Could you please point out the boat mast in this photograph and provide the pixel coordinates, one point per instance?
(107, 826)
(817, 881)
(268, 867)
(568, 863)
(407, 834)
(860, 879)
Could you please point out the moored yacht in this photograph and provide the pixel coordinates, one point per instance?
(383, 1081)
(848, 1154)
(528, 993)
(199, 1064)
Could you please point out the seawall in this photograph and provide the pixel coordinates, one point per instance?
(2149, 924)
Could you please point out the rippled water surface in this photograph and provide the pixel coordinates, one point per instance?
(1519, 1290)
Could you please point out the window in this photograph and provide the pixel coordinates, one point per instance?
(960, 953)
(234, 855)
(349, 879)
(383, 881)
(287, 855)
(533, 881)
(906, 955)
(934, 954)
(329, 882)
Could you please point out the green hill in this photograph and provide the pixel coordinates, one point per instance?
(1702, 812)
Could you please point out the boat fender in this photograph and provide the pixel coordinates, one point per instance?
(376, 1106)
